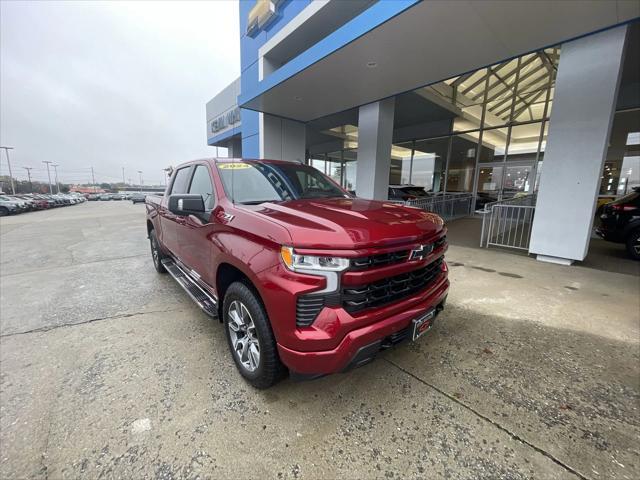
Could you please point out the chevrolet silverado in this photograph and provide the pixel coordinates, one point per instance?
(304, 276)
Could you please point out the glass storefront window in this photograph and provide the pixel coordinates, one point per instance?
(429, 162)
(494, 145)
(504, 107)
(462, 162)
(523, 144)
(517, 179)
(621, 167)
(401, 166)
(490, 179)
(318, 163)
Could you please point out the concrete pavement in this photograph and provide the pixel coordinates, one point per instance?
(107, 370)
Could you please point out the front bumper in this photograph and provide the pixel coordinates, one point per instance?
(361, 345)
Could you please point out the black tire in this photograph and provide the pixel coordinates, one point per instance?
(269, 369)
(3, 212)
(633, 244)
(156, 252)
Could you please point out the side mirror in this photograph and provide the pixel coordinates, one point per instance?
(186, 204)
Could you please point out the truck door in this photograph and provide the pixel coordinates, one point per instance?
(195, 236)
(170, 223)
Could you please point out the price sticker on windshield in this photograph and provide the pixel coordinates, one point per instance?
(233, 166)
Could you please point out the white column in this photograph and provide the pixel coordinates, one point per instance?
(282, 139)
(580, 125)
(375, 132)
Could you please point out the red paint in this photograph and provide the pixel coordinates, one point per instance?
(345, 227)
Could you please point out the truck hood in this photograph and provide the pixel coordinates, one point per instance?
(350, 223)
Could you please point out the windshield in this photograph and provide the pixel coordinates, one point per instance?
(252, 183)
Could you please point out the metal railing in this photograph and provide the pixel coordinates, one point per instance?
(448, 206)
(507, 223)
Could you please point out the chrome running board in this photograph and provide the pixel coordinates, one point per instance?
(204, 300)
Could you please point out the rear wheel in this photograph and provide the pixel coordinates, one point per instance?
(633, 244)
(250, 338)
(156, 252)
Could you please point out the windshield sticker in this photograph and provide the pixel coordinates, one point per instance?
(233, 166)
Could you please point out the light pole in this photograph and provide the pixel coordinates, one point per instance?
(123, 176)
(28, 169)
(13, 186)
(140, 172)
(93, 179)
(49, 175)
(55, 169)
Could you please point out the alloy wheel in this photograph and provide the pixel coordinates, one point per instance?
(244, 339)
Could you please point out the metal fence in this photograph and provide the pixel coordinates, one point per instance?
(449, 206)
(507, 223)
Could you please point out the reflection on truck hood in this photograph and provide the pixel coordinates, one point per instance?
(347, 223)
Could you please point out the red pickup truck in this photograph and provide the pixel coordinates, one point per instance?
(303, 275)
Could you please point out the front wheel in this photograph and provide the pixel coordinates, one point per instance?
(3, 212)
(250, 338)
(633, 244)
(156, 252)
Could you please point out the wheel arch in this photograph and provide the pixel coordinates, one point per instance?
(226, 274)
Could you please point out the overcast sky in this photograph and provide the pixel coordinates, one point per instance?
(111, 85)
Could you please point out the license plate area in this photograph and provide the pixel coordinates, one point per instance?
(423, 323)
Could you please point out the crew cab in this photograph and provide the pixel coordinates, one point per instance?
(304, 276)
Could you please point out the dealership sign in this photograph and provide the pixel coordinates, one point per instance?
(225, 121)
(261, 15)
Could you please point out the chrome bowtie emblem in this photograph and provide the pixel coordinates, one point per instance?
(421, 252)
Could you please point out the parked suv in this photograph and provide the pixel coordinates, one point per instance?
(620, 222)
(303, 275)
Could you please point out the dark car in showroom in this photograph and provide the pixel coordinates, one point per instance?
(620, 222)
(406, 192)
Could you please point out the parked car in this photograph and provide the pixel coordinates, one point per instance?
(29, 203)
(21, 205)
(8, 207)
(117, 196)
(406, 192)
(302, 275)
(620, 222)
(138, 197)
(105, 197)
(92, 197)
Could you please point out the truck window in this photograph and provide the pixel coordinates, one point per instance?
(201, 184)
(180, 182)
(256, 182)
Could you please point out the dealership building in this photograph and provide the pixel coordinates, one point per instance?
(531, 104)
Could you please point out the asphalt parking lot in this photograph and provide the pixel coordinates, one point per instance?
(107, 370)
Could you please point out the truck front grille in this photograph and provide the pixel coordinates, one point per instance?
(391, 258)
(379, 260)
(387, 290)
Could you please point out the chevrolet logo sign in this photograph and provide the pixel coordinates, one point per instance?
(421, 252)
(262, 13)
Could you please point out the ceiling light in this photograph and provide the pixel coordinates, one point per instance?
(372, 64)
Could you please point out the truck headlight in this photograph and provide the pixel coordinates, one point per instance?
(297, 262)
